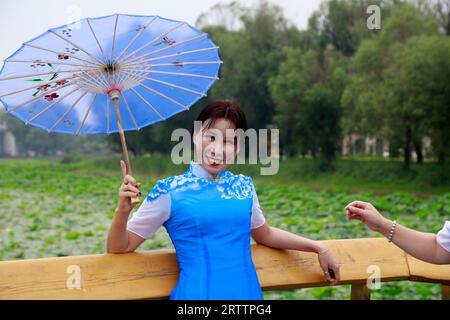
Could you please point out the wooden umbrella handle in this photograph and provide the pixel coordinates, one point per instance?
(115, 98)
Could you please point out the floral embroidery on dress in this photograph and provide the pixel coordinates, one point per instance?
(230, 185)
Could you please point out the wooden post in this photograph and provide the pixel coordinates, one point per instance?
(445, 292)
(360, 292)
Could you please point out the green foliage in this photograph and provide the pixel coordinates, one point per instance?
(335, 78)
(307, 91)
(397, 87)
(49, 209)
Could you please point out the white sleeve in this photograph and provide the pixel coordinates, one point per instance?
(257, 215)
(443, 236)
(150, 216)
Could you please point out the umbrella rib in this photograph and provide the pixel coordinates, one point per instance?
(152, 41)
(174, 55)
(39, 74)
(77, 46)
(128, 76)
(99, 76)
(39, 96)
(86, 115)
(148, 71)
(176, 44)
(51, 105)
(134, 39)
(129, 110)
(88, 85)
(51, 62)
(96, 40)
(132, 68)
(68, 110)
(183, 63)
(181, 53)
(182, 74)
(164, 96)
(93, 78)
(83, 78)
(114, 37)
(35, 86)
(147, 103)
(67, 54)
(171, 85)
(176, 86)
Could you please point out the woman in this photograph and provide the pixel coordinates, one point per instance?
(424, 246)
(210, 214)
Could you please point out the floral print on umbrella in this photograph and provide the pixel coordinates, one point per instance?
(167, 40)
(50, 97)
(46, 86)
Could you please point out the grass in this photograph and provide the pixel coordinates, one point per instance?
(52, 209)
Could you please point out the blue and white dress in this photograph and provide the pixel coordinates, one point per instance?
(209, 222)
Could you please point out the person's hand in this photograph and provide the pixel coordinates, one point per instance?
(329, 265)
(366, 212)
(130, 188)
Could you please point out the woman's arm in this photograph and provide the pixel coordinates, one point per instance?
(421, 245)
(119, 239)
(281, 239)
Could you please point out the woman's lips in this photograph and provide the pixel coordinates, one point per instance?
(213, 162)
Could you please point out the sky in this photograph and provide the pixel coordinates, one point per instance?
(22, 20)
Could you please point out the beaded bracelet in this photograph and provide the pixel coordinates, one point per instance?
(391, 233)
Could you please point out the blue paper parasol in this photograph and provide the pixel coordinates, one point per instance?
(109, 74)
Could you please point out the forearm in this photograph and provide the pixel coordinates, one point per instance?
(281, 239)
(421, 245)
(117, 241)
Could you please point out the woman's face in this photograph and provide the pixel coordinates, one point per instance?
(215, 147)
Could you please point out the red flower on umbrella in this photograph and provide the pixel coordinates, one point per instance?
(61, 82)
(50, 97)
(44, 87)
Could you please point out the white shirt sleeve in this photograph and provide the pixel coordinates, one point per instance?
(150, 216)
(257, 215)
(443, 236)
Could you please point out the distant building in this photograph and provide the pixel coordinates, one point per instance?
(355, 144)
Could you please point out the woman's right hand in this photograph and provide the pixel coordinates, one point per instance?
(130, 188)
(367, 213)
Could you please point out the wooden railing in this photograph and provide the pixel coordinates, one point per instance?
(153, 274)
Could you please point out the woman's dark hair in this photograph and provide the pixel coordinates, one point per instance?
(226, 109)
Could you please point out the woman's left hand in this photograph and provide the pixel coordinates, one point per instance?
(329, 265)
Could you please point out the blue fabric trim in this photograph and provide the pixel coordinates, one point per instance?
(229, 184)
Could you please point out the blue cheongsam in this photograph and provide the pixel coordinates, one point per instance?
(209, 222)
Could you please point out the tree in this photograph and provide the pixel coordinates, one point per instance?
(307, 91)
(376, 94)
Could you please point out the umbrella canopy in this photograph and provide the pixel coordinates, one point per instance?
(66, 79)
